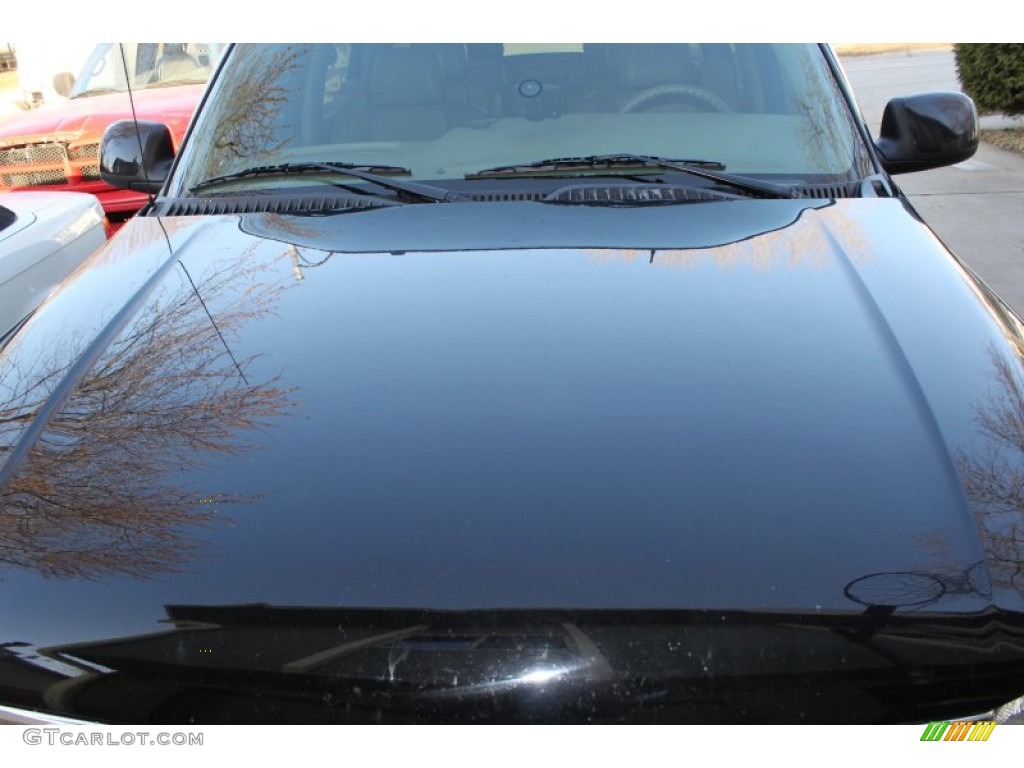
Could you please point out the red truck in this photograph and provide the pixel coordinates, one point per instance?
(56, 147)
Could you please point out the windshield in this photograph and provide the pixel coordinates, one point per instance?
(149, 65)
(453, 110)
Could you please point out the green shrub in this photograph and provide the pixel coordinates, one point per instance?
(993, 75)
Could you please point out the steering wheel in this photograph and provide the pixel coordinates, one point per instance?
(678, 90)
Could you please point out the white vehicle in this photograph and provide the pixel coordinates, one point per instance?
(44, 236)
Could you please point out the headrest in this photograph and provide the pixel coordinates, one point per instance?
(454, 58)
(644, 66)
(407, 77)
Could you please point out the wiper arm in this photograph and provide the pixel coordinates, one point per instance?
(97, 92)
(705, 169)
(168, 83)
(371, 173)
(595, 162)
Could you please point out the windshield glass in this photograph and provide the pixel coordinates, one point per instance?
(448, 110)
(149, 65)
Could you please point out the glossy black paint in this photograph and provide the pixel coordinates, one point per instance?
(926, 131)
(259, 663)
(753, 457)
(136, 155)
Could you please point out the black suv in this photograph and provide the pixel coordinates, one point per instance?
(518, 383)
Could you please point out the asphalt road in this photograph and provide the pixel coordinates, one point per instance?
(975, 207)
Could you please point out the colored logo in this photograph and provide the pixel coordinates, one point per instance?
(959, 731)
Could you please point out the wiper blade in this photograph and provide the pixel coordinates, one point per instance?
(595, 162)
(282, 169)
(371, 173)
(97, 92)
(705, 169)
(170, 83)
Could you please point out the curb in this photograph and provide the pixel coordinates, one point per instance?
(998, 122)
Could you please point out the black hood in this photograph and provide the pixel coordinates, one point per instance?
(475, 465)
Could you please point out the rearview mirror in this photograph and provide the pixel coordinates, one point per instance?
(136, 156)
(63, 83)
(929, 130)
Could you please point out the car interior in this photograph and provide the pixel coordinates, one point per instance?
(444, 110)
(387, 92)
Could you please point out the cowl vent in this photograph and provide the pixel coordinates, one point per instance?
(573, 194)
(829, 191)
(305, 204)
(808, 191)
(631, 195)
(498, 196)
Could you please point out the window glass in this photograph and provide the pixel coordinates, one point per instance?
(445, 110)
(149, 65)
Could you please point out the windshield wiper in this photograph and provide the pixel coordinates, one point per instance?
(169, 83)
(705, 169)
(371, 173)
(96, 92)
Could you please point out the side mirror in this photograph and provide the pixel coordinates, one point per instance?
(927, 131)
(63, 83)
(136, 156)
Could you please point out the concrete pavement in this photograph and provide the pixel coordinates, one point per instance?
(975, 207)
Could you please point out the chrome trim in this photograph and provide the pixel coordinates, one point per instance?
(15, 716)
(1010, 713)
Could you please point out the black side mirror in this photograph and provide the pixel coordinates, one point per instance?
(136, 156)
(927, 131)
(63, 83)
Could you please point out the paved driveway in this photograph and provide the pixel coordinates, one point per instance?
(976, 207)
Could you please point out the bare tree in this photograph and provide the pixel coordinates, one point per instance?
(102, 490)
(994, 478)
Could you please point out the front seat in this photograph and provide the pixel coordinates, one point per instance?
(634, 68)
(406, 99)
(176, 63)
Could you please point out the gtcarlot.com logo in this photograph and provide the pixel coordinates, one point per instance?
(75, 738)
(965, 730)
